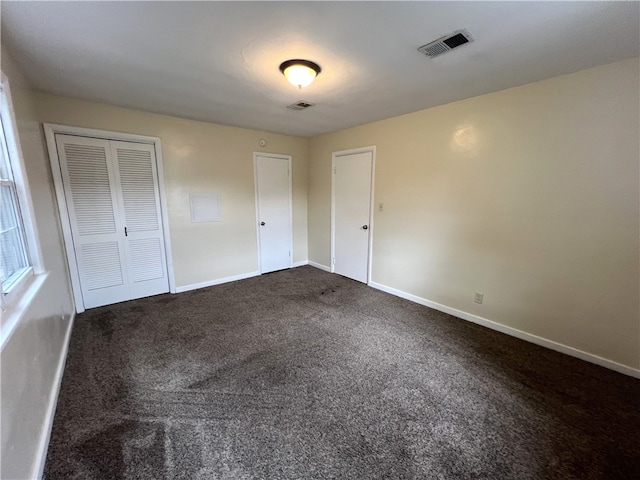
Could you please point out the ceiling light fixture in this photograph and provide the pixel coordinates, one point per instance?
(300, 72)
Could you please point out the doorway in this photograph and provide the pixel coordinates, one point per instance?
(273, 211)
(351, 213)
(110, 198)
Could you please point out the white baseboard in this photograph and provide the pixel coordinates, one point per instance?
(320, 266)
(218, 281)
(514, 332)
(53, 402)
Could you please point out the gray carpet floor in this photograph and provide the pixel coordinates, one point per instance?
(302, 374)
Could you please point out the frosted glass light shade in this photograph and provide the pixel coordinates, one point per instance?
(300, 72)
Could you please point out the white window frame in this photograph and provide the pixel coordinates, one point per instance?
(17, 300)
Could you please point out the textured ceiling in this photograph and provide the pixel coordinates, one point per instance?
(218, 61)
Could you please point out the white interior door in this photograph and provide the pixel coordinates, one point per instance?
(273, 207)
(351, 214)
(144, 237)
(89, 182)
(112, 197)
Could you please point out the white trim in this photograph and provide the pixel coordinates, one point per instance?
(15, 311)
(334, 157)
(164, 212)
(65, 221)
(371, 210)
(257, 220)
(257, 207)
(19, 279)
(21, 181)
(320, 266)
(514, 332)
(103, 134)
(218, 281)
(50, 131)
(45, 436)
(300, 264)
(290, 170)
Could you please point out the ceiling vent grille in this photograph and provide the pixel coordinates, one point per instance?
(446, 43)
(301, 105)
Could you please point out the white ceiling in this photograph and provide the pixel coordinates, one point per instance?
(218, 61)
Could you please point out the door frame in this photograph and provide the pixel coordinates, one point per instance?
(335, 157)
(50, 131)
(257, 219)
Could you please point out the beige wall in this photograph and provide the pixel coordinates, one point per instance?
(29, 360)
(202, 157)
(529, 195)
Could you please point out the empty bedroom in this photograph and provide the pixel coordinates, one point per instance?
(313, 240)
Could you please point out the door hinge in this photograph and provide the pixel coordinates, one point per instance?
(289, 252)
(335, 169)
(334, 260)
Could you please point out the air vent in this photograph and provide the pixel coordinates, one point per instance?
(301, 105)
(446, 43)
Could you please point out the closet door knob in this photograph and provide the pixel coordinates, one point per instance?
(262, 223)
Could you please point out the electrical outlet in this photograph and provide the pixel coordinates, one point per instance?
(478, 297)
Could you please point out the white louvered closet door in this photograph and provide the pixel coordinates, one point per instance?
(144, 238)
(111, 188)
(90, 189)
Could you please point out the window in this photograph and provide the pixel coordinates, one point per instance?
(14, 259)
(21, 270)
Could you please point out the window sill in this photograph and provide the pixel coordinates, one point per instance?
(17, 283)
(19, 306)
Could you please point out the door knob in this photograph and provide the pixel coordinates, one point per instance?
(364, 227)
(262, 223)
